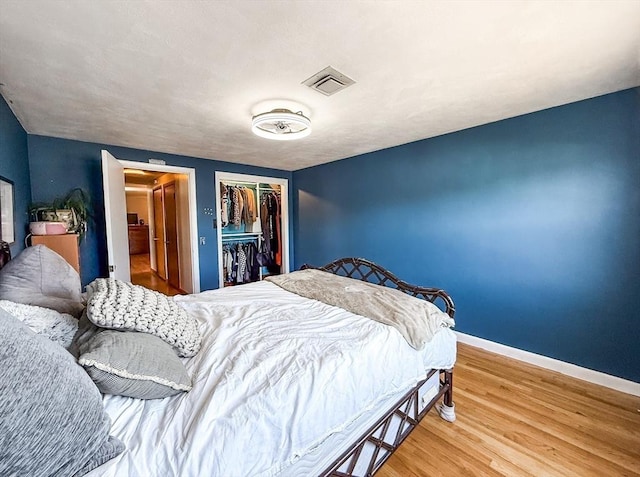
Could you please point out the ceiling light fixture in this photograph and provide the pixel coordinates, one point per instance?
(138, 172)
(281, 125)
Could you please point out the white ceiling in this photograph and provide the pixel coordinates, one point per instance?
(185, 77)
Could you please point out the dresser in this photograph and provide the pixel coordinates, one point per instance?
(138, 239)
(64, 245)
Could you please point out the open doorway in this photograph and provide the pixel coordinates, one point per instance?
(149, 243)
(155, 209)
(115, 206)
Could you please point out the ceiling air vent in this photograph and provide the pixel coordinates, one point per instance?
(328, 81)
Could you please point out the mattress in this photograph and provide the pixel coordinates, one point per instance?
(281, 385)
(319, 459)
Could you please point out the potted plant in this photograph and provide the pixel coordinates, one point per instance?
(74, 209)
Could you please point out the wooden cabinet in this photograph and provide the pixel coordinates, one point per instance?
(64, 245)
(138, 239)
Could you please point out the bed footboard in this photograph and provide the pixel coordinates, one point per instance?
(372, 449)
(447, 409)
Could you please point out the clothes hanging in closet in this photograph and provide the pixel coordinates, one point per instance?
(238, 206)
(224, 205)
(240, 262)
(249, 213)
(270, 218)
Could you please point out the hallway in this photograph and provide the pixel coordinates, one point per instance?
(141, 274)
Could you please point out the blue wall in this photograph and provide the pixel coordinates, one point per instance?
(14, 166)
(532, 224)
(58, 165)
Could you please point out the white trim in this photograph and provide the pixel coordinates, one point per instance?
(221, 176)
(568, 369)
(193, 209)
(123, 373)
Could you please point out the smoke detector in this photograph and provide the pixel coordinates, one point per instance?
(281, 125)
(328, 81)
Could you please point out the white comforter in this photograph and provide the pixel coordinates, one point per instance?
(276, 375)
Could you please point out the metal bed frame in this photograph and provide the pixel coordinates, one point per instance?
(383, 438)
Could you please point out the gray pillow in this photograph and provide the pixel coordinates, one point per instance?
(52, 422)
(86, 331)
(133, 364)
(119, 305)
(39, 276)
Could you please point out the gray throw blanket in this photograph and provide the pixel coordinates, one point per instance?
(417, 320)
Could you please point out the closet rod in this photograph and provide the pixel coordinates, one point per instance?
(231, 241)
(241, 234)
(255, 184)
(238, 182)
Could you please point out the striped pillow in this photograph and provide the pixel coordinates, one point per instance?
(133, 364)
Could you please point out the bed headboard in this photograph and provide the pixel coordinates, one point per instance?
(5, 253)
(361, 269)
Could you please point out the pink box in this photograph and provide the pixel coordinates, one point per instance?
(47, 228)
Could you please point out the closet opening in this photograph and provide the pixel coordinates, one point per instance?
(253, 235)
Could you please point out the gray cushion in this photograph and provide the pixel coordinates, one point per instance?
(52, 422)
(86, 331)
(39, 276)
(119, 305)
(133, 364)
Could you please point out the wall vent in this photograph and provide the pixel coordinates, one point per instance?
(328, 81)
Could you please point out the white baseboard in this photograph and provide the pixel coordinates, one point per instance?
(596, 377)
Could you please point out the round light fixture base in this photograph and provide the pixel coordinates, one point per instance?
(281, 125)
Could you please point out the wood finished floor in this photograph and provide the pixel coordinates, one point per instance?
(141, 274)
(514, 419)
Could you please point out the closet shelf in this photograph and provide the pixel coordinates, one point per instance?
(241, 234)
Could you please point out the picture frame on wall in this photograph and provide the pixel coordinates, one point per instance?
(7, 224)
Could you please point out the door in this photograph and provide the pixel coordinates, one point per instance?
(159, 233)
(115, 213)
(171, 231)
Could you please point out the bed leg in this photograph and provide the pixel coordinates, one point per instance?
(447, 409)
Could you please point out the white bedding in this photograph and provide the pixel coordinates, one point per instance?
(277, 374)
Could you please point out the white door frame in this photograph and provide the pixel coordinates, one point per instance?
(193, 209)
(221, 176)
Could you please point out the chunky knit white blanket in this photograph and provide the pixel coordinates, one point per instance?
(119, 305)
